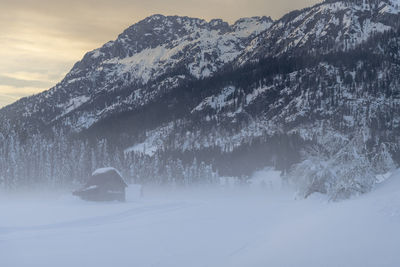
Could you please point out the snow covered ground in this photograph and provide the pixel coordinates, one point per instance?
(203, 227)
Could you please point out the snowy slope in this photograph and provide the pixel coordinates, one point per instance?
(160, 53)
(204, 227)
(148, 59)
(325, 27)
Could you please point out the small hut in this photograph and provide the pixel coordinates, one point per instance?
(105, 184)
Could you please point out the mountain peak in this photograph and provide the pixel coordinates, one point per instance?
(333, 25)
(159, 52)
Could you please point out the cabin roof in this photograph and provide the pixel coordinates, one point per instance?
(105, 170)
(109, 177)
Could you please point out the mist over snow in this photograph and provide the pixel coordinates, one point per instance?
(227, 225)
(187, 142)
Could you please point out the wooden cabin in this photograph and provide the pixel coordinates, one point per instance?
(105, 184)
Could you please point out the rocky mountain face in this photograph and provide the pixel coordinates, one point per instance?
(327, 27)
(146, 60)
(315, 94)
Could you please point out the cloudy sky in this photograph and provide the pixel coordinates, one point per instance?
(40, 40)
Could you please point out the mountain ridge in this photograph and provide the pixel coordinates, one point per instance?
(138, 65)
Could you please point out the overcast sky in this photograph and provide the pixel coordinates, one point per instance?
(40, 40)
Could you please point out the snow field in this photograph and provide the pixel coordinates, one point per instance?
(203, 227)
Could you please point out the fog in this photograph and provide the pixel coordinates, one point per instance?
(220, 225)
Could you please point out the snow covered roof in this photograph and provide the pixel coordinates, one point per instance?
(106, 176)
(105, 170)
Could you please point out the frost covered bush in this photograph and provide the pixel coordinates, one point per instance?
(342, 173)
(382, 159)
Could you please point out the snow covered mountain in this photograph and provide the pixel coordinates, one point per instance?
(326, 27)
(150, 57)
(175, 98)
